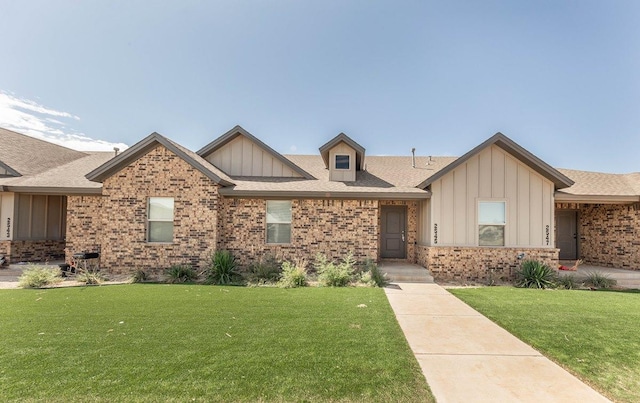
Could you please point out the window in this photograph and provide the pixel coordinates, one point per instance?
(40, 217)
(160, 219)
(278, 221)
(342, 162)
(491, 223)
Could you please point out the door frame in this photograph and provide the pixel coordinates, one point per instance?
(405, 213)
(576, 212)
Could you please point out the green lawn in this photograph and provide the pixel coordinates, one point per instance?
(595, 335)
(204, 343)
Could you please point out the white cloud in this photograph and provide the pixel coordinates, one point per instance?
(30, 118)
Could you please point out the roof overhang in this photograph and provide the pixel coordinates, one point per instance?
(239, 131)
(230, 192)
(139, 149)
(559, 180)
(343, 138)
(595, 199)
(61, 191)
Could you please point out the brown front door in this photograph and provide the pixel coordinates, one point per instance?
(393, 232)
(567, 235)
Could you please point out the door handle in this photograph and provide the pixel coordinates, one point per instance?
(402, 236)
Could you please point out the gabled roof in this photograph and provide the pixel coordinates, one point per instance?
(239, 131)
(145, 145)
(324, 150)
(560, 180)
(26, 155)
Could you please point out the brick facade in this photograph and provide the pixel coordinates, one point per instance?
(473, 264)
(610, 235)
(32, 250)
(118, 220)
(331, 227)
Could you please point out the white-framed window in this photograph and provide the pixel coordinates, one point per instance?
(342, 161)
(160, 219)
(491, 223)
(278, 221)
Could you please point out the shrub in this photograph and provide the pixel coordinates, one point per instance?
(90, 277)
(39, 276)
(597, 280)
(181, 273)
(266, 270)
(293, 275)
(568, 282)
(335, 275)
(139, 276)
(373, 276)
(222, 268)
(535, 274)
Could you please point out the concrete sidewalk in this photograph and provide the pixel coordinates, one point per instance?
(468, 358)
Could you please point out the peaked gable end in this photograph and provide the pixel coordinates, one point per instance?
(149, 143)
(239, 153)
(559, 180)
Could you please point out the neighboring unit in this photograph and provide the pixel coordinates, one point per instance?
(158, 204)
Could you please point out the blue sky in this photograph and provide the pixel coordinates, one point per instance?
(561, 78)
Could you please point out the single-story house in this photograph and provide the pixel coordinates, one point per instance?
(157, 204)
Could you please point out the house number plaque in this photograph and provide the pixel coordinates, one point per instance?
(8, 227)
(546, 236)
(435, 234)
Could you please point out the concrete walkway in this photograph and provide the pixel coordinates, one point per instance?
(467, 358)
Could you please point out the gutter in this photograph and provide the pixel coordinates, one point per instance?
(63, 191)
(311, 194)
(599, 199)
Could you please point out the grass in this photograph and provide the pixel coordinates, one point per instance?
(592, 334)
(152, 342)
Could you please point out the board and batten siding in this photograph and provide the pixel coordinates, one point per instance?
(491, 175)
(424, 222)
(342, 175)
(7, 208)
(243, 157)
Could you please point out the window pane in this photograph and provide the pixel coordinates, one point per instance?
(491, 213)
(53, 218)
(161, 208)
(491, 235)
(160, 231)
(278, 233)
(278, 211)
(342, 162)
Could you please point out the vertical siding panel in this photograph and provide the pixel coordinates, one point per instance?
(535, 209)
(257, 167)
(247, 157)
(484, 173)
(236, 156)
(286, 171)
(460, 205)
(472, 197)
(267, 164)
(523, 205)
(497, 172)
(511, 194)
(446, 232)
(225, 159)
(277, 168)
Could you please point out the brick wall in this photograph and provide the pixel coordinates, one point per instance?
(116, 223)
(412, 225)
(37, 251)
(472, 264)
(332, 227)
(5, 249)
(610, 235)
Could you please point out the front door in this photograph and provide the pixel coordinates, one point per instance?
(567, 227)
(393, 232)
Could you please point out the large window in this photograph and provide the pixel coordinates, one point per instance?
(342, 162)
(491, 223)
(278, 221)
(40, 217)
(160, 219)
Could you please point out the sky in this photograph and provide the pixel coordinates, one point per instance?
(561, 78)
